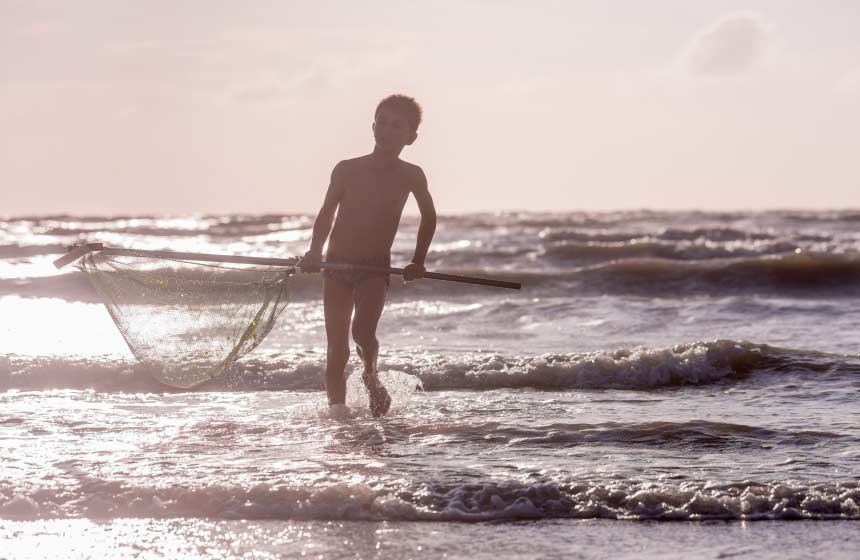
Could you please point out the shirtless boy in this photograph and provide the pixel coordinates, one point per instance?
(368, 193)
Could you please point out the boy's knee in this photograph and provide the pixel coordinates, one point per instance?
(363, 337)
(338, 352)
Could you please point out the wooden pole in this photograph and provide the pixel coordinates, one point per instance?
(79, 251)
(430, 275)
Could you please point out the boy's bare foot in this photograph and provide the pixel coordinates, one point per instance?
(380, 401)
(339, 411)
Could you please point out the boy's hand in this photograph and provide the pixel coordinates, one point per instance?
(310, 262)
(413, 271)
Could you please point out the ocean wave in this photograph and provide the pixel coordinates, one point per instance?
(836, 275)
(15, 251)
(821, 216)
(470, 502)
(701, 435)
(70, 286)
(601, 236)
(713, 234)
(574, 251)
(536, 219)
(691, 364)
(833, 274)
(228, 230)
(694, 434)
(158, 226)
(718, 234)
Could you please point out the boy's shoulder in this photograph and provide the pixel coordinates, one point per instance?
(352, 162)
(412, 176)
(412, 168)
(361, 163)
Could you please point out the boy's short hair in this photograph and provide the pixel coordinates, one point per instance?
(405, 105)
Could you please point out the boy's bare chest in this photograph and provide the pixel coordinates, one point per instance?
(377, 190)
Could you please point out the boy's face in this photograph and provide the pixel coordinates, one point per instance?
(391, 130)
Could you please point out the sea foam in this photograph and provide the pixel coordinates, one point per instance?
(477, 501)
(690, 364)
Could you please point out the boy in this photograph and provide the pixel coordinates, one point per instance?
(368, 193)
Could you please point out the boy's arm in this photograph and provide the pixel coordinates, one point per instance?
(322, 224)
(425, 230)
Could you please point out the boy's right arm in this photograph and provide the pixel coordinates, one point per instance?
(322, 225)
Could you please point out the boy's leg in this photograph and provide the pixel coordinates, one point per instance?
(369, 302)
(337, 302)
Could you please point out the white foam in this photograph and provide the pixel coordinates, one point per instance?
(695, 363)
(401, 386)
(479, 501)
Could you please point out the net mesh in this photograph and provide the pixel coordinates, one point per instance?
(187, 322)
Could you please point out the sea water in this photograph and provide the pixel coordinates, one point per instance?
(665, 384)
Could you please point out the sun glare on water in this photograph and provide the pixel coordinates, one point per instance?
(49, 326)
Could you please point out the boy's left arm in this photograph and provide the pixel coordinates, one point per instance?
(426, 229)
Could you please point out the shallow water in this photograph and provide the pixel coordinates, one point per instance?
(694, 368)
(195, 538)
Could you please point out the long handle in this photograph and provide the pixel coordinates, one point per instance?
(430, 275)
(79, 251)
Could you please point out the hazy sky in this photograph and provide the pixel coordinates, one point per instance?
(203, 106)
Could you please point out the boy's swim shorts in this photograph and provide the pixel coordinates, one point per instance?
(354, 278)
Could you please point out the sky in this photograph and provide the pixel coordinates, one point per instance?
(204, 106)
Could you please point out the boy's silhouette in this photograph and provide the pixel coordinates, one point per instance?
(368, 193)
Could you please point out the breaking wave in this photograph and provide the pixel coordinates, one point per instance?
(691, 364)
(479, 501)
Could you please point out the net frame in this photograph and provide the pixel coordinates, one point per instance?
(182, 371)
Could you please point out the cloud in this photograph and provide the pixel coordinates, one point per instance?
(733, 45)
(322, 73)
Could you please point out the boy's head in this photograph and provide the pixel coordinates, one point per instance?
(396, 121)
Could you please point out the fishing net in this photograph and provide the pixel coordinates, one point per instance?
(187, 322)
